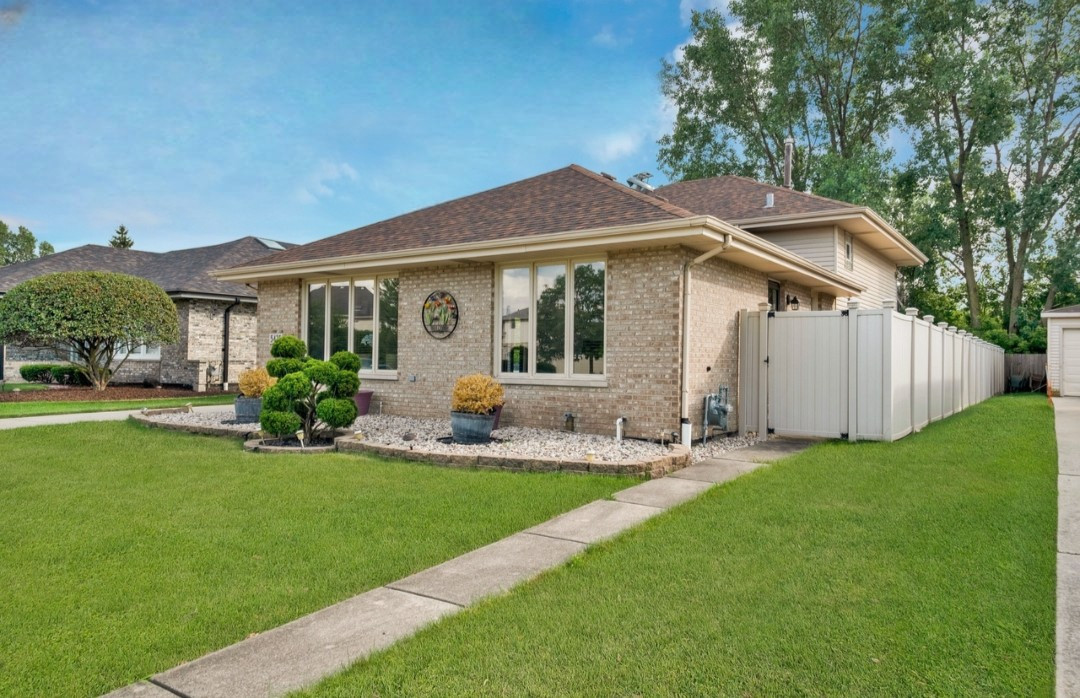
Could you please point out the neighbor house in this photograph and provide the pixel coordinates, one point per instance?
(217, 318)
(582, 295)
(1063, 350)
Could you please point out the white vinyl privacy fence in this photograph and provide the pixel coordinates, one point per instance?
(858, 373)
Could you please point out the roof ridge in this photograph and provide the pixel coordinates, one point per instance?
(751, 180)
(665, 206)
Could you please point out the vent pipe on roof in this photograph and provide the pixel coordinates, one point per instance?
(789, 146)
(640, 182)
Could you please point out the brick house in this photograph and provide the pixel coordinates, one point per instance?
(581, 295)
(213, 314)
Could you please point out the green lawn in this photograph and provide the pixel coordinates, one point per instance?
(125, 550)
(924, 567)
(32, 409)
(23, 387)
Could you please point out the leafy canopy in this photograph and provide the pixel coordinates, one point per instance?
(95, 315)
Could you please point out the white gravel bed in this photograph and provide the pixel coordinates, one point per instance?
(514, 441)
(716, 447)
(221, 419)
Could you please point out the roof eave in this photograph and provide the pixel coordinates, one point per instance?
(699, 231)
(913, 256)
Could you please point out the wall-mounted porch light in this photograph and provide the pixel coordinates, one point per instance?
(793, 302)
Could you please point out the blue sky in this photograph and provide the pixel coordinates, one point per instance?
(195, 122)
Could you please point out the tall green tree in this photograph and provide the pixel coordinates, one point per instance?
(823, 72)
(1036, 170)
(20, 246)
(121, 239)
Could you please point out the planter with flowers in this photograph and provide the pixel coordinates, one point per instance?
(473, 407)
(253, 383)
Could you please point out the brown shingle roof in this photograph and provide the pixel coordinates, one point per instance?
(180, 271)
(733, 198)
(1063, 310)
(568, 199)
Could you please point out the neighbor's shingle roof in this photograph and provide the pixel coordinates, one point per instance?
(572, 198)
(733, 198)
(1063, 310)
(181, 271)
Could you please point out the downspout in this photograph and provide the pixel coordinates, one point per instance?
(225, 349)
(684, 411)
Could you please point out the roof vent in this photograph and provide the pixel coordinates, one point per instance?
(640, 182)
(769, 200)
(272, 244)
(608, 175)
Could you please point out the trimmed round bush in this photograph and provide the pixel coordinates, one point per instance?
(345, 384)
(346, 361)
(279, 368)
(279, 422)
(68, 375)
(336, 412)
(294, 386)
(37, 373)
(322, 372)
(288, 347)
(275, 399)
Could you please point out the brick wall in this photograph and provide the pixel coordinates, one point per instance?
(279, 313)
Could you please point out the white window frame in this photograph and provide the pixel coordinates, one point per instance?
(141, 353)
(849, 251)
(567, 377)
(374, 371)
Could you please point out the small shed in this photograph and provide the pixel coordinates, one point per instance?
(1063, 350)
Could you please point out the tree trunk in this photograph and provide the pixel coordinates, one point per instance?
(1050, 293)
(967, 255)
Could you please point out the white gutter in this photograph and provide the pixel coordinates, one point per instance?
(684, 409)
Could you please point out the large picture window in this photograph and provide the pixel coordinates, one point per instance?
(551, 316)
(357, 315)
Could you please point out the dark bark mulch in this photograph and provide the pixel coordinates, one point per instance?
(113, 392)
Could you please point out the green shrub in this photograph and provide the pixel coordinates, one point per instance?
(69, 375)
(37, 373)
(288, 347)
(310, 395)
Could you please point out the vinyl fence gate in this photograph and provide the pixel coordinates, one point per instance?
(858, 373)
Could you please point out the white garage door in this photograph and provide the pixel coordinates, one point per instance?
(1070, 362)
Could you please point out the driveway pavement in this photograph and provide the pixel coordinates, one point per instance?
(1067, 425)
(113, 416)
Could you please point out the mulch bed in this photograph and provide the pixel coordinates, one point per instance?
(113, 392)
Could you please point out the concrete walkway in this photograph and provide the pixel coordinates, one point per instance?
(1067, 425)
(112, 416)
(300, 653)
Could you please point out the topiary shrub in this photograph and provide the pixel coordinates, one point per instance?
(37, 373)
(94, 314)
(310, 395)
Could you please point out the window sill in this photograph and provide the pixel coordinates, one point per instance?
(378, 376)
(560, 381)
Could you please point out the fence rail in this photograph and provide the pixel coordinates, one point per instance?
(859, 374)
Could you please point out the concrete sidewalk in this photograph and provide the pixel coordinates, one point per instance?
(112, 416)
(300, 653)
(1067, 426)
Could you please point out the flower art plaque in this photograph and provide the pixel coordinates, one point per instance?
(440, 314)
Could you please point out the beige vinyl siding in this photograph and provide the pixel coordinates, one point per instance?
(871, 270)
(1054, 354)
(817, 245)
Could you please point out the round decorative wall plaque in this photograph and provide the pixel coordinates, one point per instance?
(440, 314)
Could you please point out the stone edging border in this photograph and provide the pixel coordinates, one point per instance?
(677, 458)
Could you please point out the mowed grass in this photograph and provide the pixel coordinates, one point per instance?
(35, 408)
(23, 387)
(125, 551)
(923, 567)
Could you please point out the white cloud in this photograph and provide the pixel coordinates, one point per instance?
(605, 37)
(615, 146)
(687, 7)
(317, 185)
(14, 222)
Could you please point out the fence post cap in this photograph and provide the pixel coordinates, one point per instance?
(943, 324)
(913, 312)
(764, 307)
(928, 318)
(888, 304)
(853, 304)
(952, 328)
